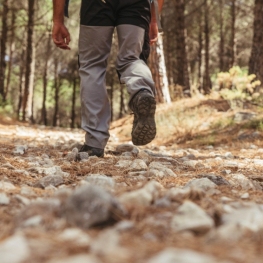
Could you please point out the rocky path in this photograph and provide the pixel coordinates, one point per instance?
(141, 205)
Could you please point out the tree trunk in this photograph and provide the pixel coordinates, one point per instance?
(44, 110)
(3, 47)
(222, 39)
(200, 57)
(181, 54)
(207, 85)
(11, 52)
(256, 58)
(122, 105)
(29, 77)
(21, 84)
(56, 97)
(233, 34)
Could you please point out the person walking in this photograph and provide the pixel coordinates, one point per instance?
(137, 28)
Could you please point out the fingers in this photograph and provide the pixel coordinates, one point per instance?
(62, 43)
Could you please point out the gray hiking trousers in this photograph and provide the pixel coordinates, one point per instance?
(98, 20)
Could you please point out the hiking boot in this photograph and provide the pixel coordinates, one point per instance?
(92, 151)
(143, 106)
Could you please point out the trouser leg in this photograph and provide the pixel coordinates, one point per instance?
(94, 49)
(133, 71)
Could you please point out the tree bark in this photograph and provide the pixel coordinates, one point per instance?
(44, 110)
(221, 54)
(56, 97)
(256, 58)
(181, 54)
(11, 52)
(3, 42)
(207, 85)
(29, 76)
(233, 34)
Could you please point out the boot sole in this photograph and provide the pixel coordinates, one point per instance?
(145, 130)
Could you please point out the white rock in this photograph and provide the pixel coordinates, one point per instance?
(123, 163)
(6, 186)
(81, 258)
(174, 255)
(75, 235)
(101, 180)
(229, 155)
(141, 197)
(202, 183)
(191, 217)
(138, 165)
(161, 173)
(20, 149)
(239, 180)
(127, 148)
(245, 196)
(250, 218)
(14, 249)
(191, 163)
(33, 221)
(233, 165)
(4, 199)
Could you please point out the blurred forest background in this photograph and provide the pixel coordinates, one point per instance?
(207, 46)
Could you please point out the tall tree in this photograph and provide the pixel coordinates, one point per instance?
(3, 42)
(256, 58)
(181, 54)
(29, 74)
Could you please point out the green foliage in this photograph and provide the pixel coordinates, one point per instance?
(237, 87)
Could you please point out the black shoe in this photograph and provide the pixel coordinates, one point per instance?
(143, 106)
(92, 151)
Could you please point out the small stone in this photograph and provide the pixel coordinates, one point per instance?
(218, 180)
(123, 164)
(33, 221)
(239, 180)
(141, 197)
(101, 180)
(20, 149)
(203, 183)
(127, 148)
(22, 199)
(83, 156)
(138, 165)
(174, 255)
(229, 155)
(191, 217)
(76, 236)
(81, 258)
(124, 226)
(245, 196)
(25, 190)
(17, 242)
(191, 163)
(4, 199)
(50, 180)
(6, 186)
(231, 165)
(90, 205)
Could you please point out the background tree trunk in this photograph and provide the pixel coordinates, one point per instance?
(3, 47)
(27, 104)
(256, 58)
(56, 95)
(207, 85)
(181, 54)
(233, 34)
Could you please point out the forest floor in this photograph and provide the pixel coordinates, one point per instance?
(194, 195)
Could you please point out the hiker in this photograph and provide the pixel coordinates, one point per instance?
(136, 22)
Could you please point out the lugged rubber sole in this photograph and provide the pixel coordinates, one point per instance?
(144, 127)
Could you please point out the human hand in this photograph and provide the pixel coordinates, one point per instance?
(153, 34)
(60, 35)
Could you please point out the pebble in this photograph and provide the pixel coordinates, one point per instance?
(76, 236)
(6, 186)
(175, 255)
(191, 217)
(81, 258)
(203, 184)
(141, 197)
(4, 199)
(89, 205)
(49, 180)
(138, 165)
(14, 249)
(101, 180)
(123, 164)
(239, 180)
(20, 149)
